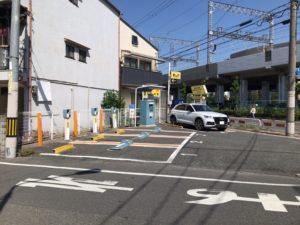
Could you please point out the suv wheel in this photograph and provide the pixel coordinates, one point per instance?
(173, 120)
(199, 124)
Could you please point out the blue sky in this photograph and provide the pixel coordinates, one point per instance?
(187, 20)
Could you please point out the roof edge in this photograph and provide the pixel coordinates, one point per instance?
(111, 6)
(142, 36)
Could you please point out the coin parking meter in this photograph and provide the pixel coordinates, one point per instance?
(147, 117)
(94, 112)
(67, 116)
(114, 118)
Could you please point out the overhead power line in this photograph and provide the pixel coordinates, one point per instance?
(177, 16)
(204, 49)
(204, 40)
(275, 15)
(154, 12)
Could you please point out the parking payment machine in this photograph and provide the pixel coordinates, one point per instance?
(67, 116)
(94, 112)
(147, 115)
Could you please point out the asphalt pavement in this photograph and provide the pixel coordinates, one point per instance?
(174, 176)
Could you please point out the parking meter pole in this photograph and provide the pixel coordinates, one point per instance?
(67, 129)
(95, 125)
(67, 116)
(114, 118)
(94, 112)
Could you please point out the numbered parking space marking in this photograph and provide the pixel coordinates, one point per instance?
(270, 202)
(70, 183)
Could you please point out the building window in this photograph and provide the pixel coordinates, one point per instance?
(76, 51)
(145, 65)
(131, 62)
(82, 55)
(75, 2)
(134, 40)
(268, 55)
(70, 51)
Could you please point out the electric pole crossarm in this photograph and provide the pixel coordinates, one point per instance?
(243, 37)
(173, 40)
(240, 10)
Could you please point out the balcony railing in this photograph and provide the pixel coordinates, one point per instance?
(4, 58)
(137, 77)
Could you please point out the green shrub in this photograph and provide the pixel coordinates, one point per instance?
(267, 112)
(25, 152)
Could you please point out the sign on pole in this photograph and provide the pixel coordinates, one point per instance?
(175, 75)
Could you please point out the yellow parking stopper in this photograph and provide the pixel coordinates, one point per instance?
(63, 148)
(99, 137)
(120, 131)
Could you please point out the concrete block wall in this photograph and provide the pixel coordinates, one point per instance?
(2, 135)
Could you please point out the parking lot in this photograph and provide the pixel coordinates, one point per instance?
(148, 145)
(162, 175)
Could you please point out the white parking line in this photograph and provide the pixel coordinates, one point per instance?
(102, 158)
(151, 175)
(175, 153)
(168, 161)
(187, 154)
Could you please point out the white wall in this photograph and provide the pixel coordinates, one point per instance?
(125, 42)
(91, 24)
(143, 48)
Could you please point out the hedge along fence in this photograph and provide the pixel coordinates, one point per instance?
(267, 112)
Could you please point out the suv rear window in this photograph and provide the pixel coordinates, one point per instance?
(180, 107)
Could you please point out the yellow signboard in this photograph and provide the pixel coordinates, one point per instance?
(199, 90)
(155, 93)
(175, 75)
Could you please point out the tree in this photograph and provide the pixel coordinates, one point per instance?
(235, 90)
(183, 91)
(112, 99)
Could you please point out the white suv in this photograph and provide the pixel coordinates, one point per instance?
(199, 115)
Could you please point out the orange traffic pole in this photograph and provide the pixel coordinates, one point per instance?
(75, 131)
(101, 121)
(40, 129)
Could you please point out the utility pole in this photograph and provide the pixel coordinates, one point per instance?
(13, 83)
(290, 123)
(168, 94)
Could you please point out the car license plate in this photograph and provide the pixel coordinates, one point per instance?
(222, 123)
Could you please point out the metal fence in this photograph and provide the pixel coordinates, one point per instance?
(250, 103)
(53, 123)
